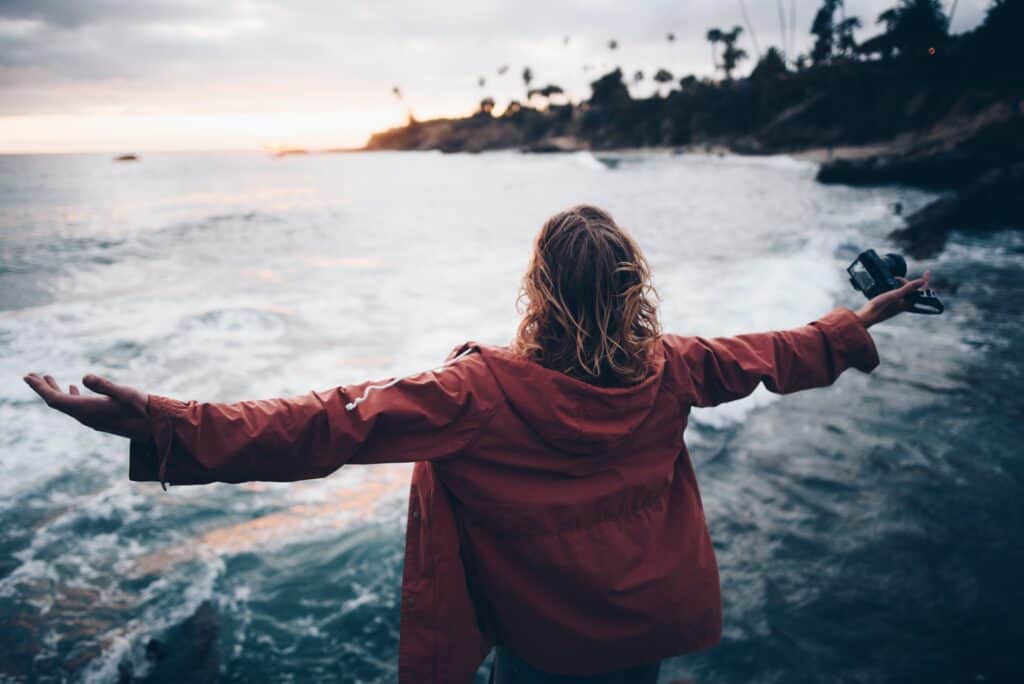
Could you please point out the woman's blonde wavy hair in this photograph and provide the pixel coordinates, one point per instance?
(588, 305)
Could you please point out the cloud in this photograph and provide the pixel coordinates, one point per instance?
(195, 57)
(77, 14)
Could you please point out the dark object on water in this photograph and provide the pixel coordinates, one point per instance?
(873, 275)
(126, 157)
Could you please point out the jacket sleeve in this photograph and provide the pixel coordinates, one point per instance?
(427, 416)
(722, 369)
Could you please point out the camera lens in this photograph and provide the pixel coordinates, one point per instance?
(897, 265)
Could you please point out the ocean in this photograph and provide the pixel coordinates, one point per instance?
(867, 532)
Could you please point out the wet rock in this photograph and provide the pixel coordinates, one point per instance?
(993, 201)
(564, 143)
(940, 171)
(155, 650)
(188, 652)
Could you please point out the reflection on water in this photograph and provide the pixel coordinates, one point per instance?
(869, 532)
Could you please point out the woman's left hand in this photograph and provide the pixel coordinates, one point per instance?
(891, 303)
(117, 409)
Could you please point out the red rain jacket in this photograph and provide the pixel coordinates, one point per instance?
(558, 518)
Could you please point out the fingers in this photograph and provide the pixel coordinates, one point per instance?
(44, 388)
(101, 385)
(911, 286)
(73, 390)
(51, 382)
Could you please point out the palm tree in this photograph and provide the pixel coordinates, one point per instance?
(846, 44)
(638, 77)
(732, 55)
(714, 36)
(662, 77)
(916, 26)
(823, 28)
(547, 92)
(769, 66)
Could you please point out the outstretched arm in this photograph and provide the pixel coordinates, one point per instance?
(426, 416)
(722, 369)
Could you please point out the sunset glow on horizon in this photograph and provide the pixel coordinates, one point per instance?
(162, 75)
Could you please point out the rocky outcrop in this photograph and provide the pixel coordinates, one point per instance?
(952, 154)
(995, 200)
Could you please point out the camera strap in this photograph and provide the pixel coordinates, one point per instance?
(925, 302)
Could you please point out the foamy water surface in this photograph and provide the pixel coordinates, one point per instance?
(867, 532)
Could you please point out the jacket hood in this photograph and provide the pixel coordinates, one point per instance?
(569, 414)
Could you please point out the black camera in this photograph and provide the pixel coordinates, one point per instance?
(873, 275)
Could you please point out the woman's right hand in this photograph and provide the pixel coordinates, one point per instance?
(117, 409)
(891, 303)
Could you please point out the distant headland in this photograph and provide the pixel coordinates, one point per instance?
(914, 105)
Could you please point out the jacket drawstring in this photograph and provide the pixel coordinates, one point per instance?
(166, 452)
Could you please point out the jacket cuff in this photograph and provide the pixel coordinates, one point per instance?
(148, 460)
(849, 338)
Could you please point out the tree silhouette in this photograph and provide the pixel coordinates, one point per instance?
(914, 26)
(527, 79)
(772, 64)
(662, 77)
(486, 106)
(823, 29)
(714, 36)
(996, 39)
(547, 92)
(846, 44)
(732, 55)
(689, 84)
(609, 89)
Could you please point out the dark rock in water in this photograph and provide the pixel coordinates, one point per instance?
(993, 201)
(126, 158)
(941, 171)
(554, 145)
(155, 650)
(189, 651)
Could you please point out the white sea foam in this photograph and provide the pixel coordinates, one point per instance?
(358, 267)
(587, 160)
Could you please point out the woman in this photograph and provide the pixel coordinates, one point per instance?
(553, 510)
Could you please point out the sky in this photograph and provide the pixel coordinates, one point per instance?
(143, 75)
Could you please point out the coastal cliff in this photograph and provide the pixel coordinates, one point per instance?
(942, 118)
